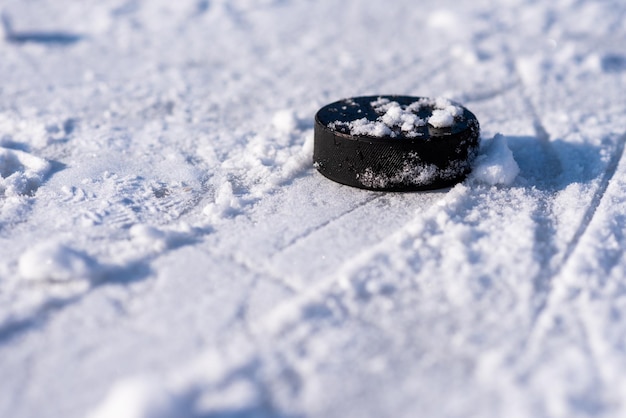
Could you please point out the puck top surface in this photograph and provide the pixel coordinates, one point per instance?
(397, 117)
(395, 142)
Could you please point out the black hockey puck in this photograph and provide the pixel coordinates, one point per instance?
(395, 143)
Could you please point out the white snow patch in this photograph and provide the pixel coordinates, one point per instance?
(149, 236)
(224, 204)
(146, 241)
(397, 116)
(27, 130)
(531, 69)
(266, 162)
(442, 19)
(137, 397)
(444, 113)
(496, 166)
(285, 121)
(57, 262)
(465, 54)
(372, 128)
(441, 119)
(20, 172)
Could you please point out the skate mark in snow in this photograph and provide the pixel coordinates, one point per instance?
(324, 224)
(598, 196)
(59, 38)
(611, 168)
(548, 178)
(543, 311)
(254, 268)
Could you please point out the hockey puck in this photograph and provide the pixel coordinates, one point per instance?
(395, 143)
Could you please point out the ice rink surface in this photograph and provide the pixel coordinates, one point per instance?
(168, 250)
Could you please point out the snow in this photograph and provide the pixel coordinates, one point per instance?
(285, 121)
(167, 248)
(396, 116)
(364, 126)
(392, 114)
(137, 398)
(441, 119)
(496, 166)
(56, 262)
(20, 172)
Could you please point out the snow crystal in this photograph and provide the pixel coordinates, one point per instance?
(496, 166)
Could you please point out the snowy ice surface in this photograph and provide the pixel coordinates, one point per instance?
(168, 250)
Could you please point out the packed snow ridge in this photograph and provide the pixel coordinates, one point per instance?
(392, 116)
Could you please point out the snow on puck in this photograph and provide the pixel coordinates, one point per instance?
(395, 143)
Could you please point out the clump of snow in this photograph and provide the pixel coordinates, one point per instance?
(149, 236)
(441, 119)
(285, 121)
(149, 239)
(393, 115)
(268, 160)
(21, 173)
(394, 118)
(56, 262)
(137, 397)
(444, 112)
(496, 165)
(372, 128)
(295, 162)
(225, 203)
(33, 130)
